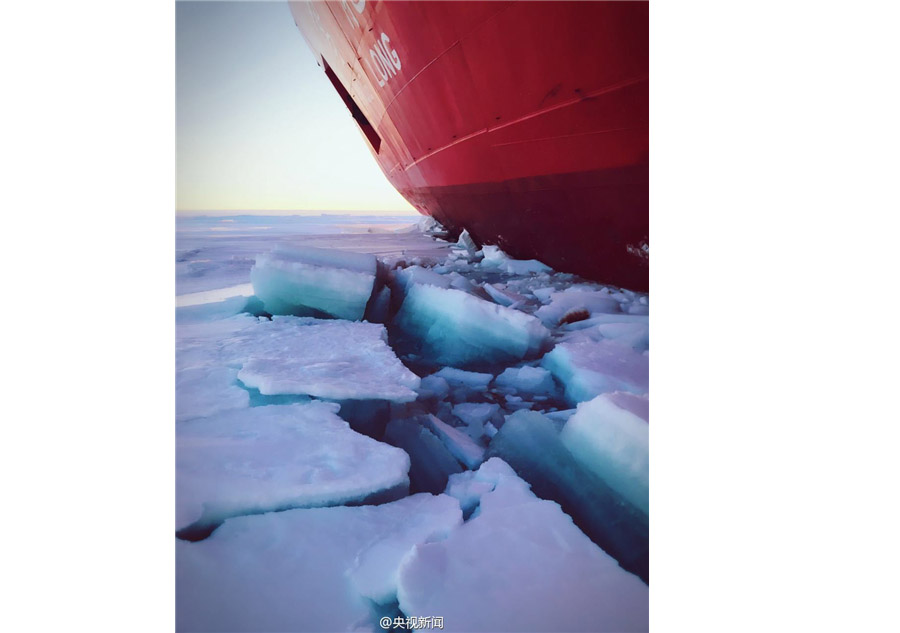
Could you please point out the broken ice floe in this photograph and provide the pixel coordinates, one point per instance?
(322, 569)
(338, 360)
(529, 380)
(277, 457)
(530, 443)
(476, 310)
(314, 282)
(612, 442)
(518, 564)
(458, 329)
(588, 368)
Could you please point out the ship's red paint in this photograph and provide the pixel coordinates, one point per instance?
(523, 122)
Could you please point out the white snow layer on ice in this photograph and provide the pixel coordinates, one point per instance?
(277, 457)
(459, 329)
(204, 391)
(334, 359)
(536, 571)
(613, 443)
(496, 258)
(588, 368)
(304, 570)
(328, 359)
(311, 281)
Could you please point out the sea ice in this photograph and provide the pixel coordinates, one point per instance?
(637, 404)
(474, 415)
(307, 281)
(518, 564)
(588, 368)
(575, 298)
(407, 277)
(474, 380)
(433, 387)
(277, 457)
(613, 443)
(431, 462)
(204, 391)
(304, 570)
(496, 258)
(529, 442)
(339, 360)
(460, 445)
(458, 329)
(503, 296)
(534, 380)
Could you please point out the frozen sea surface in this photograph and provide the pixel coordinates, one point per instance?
(218, 252)
(494, 468)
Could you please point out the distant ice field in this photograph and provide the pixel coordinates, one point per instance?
(217, 252)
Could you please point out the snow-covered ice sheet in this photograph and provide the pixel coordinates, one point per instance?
(217, 252)
(306, 281)
(205, 391)
(304, 570)
(276, 457)
(519, 564)
(339, 360)
(588, 368)
(613, 443)
(458, 329)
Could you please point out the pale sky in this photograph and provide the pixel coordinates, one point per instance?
(259, 126)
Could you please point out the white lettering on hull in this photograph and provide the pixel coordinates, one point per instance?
(383, 62)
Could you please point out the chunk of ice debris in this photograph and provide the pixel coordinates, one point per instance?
(526, 380)
(406, 278)
(496, 258)
(474, 415)
(304, 570)
(529, 442)
(634, 335)
(471, 379)
(588, 368)
(536, 571)
(433, 387)
(338, 360)
(307, 281)
(613, 443)
(431, 462)
(460, 445)
(465, 241)
(503, 296)
(204, 391)
(277, 457)
(575, 298)
(458, 329)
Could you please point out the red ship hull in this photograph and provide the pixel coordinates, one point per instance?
(524, 122)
